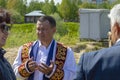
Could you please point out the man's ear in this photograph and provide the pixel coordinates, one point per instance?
(117, 28)
(54, 30)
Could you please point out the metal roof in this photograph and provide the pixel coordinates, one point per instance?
(35, 13)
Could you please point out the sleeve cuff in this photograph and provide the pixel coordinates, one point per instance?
(26, 67)
(23, 71)
(48, 76)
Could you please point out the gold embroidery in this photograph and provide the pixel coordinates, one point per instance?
(25, 51)
(59, 61)
(59, 74)
(22, 70)
(24, 57)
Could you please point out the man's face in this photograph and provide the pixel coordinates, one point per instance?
(44, 31)
(3, 34)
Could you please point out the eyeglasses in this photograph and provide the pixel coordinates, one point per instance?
(4, 28)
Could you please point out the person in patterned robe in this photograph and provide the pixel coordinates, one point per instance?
(45, 58)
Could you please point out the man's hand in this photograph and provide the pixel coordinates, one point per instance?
(32, 65)
(46, 69)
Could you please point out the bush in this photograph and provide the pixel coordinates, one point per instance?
(61, 28)
(88, 5)
(71, 34)
(16, 17)
(20, 34)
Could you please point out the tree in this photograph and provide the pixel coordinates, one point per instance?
(11, 4)
(18, 5)
(68, 10)
(49, 8)
(64, 9)
(74, 11)
(16, 17)
(35, 5)
(3, 3)
(79, 2)
(53, 7)
(18, 9)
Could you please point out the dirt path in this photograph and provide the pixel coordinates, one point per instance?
(11, 54)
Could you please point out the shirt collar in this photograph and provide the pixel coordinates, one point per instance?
(118, 40)
(40, 45)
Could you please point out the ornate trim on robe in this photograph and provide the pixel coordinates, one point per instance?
(24, 57)
(60, 57)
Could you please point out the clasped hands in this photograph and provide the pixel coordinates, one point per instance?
(32, 66)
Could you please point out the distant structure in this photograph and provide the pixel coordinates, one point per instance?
(97, 1)
(94, 24)
(33, 16)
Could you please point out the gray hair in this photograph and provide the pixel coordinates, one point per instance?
(115, 15)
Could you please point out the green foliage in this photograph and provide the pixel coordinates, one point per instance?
(46, 8)
(17, 5)
(3, 3)
(87, 5)
(61, 29)
(104, 5)
(66, 6)
(34, 5)
(72, 27)
(53, 7)
(11, 4)
(16, 17)
(20, 34)
(57, 17)
(49, 8)
(79, 2)
(70, 12)
(23, 33)
(74, 12)
(69, 33)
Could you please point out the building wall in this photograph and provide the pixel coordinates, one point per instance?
(98, 1)
(94, 24)
(31, 19)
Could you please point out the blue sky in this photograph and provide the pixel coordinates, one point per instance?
(56, 1)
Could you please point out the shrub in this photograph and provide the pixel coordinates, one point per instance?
(20, 34)
(71, 34)
(16, 17)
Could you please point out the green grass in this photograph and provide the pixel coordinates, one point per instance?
(20, 34)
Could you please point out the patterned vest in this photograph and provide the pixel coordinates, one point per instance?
(60, 57)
